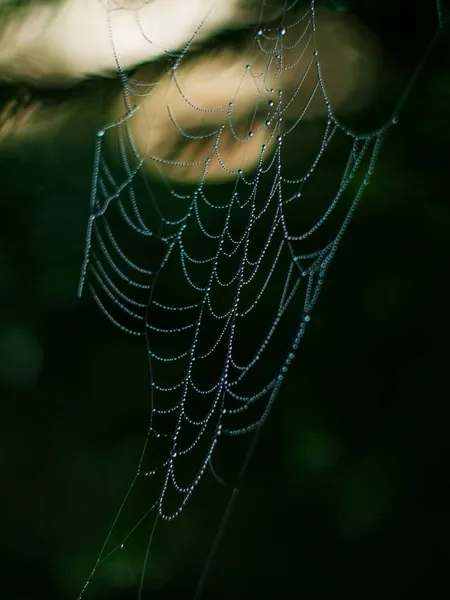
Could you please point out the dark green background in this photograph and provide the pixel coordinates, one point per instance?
(348, 494)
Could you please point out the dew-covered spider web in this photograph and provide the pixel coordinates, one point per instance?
(220, 282)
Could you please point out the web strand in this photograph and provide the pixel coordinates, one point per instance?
(243, 264)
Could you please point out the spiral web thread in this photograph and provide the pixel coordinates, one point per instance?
(196, 274)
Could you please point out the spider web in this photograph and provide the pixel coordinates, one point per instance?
(215, 278)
